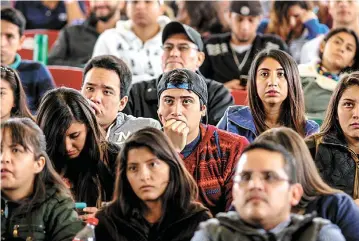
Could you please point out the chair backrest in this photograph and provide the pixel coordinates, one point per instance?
(66, 76)
(240, 97)
(28, 46)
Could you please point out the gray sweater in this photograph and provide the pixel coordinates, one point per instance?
(230, 227)
(125, 125)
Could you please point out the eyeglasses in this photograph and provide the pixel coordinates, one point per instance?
(183, 48)
(268, 177)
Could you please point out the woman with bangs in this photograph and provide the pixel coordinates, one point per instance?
(35, 203)
(155, 196)
(275, 98)
(78, 148)
(13, 98)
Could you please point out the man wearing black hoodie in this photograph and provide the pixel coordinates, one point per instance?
(183, 48)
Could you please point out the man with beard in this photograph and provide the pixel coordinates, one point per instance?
(75, 43)
(137, 41)
(229, 55)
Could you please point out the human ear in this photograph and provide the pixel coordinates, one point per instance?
(123, 103)
(203, 110)
(296, 195)
(39, 164)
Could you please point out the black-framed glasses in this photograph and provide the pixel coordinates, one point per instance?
(183, 48)
(266, 177)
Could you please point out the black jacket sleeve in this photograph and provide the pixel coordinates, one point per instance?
(129, 108)
(219, 98)
(59, 52)
(206, 67)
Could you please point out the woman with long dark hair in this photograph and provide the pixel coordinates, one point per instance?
(155, 195)
(339, 54)
(335, 149)
(77, 147)
(13, 97)
(275, 98)
(35, 203)
(327, 202)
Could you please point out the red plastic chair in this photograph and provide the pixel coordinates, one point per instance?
(28, 46)
(66, 76)
(240, 97)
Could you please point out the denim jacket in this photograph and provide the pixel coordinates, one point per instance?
(239, 120)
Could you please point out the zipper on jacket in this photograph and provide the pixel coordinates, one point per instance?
(18, 227)
(15, 233)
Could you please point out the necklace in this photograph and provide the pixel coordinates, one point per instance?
(236, 60)
(321, 71)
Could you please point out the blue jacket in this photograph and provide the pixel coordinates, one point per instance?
(341, 210)
(35, 78)
(313, 26)
(239, 120)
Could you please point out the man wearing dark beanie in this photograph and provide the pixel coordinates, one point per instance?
(229, 55)
(210, 154)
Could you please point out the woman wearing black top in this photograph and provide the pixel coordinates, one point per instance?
(77, 146)
(154, 197)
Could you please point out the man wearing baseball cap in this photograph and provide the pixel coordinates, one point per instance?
(229, 55)
(183, 48)
(210, 154)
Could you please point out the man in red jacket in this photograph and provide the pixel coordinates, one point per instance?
(209, 154)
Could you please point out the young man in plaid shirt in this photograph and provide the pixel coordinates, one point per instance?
(209, 154)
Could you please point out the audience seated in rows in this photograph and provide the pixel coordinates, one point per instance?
(35, 203)
(137, 41)
(106, 84)
(78, 148)
(13, 97)
(75, 43)
(155, 196)
(275, 99)
(344, 15)
(51, 14)
(209, 154)
(336, 148)
(318, 196)
(339, 53)
(183, 48)
(295, 22)
(265, 189)
(87, 129)
(36, 78)
(229, 56)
